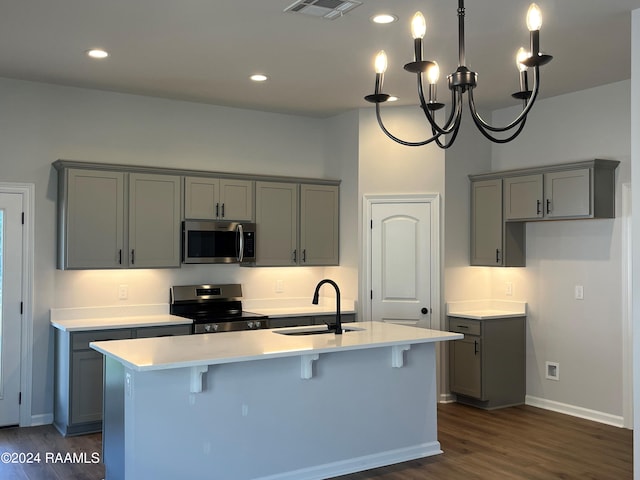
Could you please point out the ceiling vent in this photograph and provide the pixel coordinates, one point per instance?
(329, 9)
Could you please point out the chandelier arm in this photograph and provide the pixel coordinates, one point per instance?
(456, 105)
(520, 118)
(399, 140)
(500, 140)
(455, 126)
(453, 135)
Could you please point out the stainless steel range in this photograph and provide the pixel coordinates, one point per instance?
(214, 308)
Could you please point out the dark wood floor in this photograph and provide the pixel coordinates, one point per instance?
(514, 443)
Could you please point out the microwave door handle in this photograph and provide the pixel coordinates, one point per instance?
(240, 233)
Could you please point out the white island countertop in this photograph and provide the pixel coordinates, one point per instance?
(163, 353)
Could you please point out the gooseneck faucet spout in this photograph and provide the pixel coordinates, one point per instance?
(316, 295)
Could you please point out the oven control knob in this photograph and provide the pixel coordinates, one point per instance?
(215, 327)
(250, 325)
(207, 328)
(257, 323)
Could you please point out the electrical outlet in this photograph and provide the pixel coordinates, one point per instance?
(123, 292)
(579, 292)
(279, 286)
(508, 289)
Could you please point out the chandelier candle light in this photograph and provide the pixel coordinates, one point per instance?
(463, 81)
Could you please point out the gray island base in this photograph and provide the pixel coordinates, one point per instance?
(263, 405)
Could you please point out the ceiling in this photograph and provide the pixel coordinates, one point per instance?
(205, 50)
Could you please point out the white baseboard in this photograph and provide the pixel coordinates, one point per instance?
(447, 398)
(43, 419)
(359, 464)
(594, 415)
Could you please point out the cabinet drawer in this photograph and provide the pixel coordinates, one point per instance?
(81, 340)
(163, 331)
(464, 325)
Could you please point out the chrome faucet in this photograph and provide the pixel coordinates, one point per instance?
(338, 325)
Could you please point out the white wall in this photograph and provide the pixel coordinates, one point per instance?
(386, 167)
(585, 337)
(40, 123)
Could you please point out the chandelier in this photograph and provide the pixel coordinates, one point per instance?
(463, 81)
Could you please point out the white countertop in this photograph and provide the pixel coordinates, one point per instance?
(486, 309)
(210, 349)
(134, 316)
(297, 306)
(109, 323)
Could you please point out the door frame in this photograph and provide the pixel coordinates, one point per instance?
(28, 248)
(365, 280)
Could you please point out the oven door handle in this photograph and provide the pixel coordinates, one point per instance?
(240, 234)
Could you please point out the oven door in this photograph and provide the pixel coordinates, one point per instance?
(218, 242)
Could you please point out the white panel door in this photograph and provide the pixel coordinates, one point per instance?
(401, 263)
(10, 302)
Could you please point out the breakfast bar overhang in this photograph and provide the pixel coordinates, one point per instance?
(269, 405)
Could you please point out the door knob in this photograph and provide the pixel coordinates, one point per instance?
(424, 310)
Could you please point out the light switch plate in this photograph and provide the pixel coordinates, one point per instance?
(579, 292)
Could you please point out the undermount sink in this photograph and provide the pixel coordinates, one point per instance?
(322, 331)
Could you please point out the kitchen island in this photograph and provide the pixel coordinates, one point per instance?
(265, 404)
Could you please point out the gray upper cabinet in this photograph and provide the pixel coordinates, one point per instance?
(297, 224)
(319, 225)
(502, 203)
(562, 194)
(91, 214)
(276, 224)
(218, 198)
(111, 219)
(127, 216)
(568, 191)
(523, 197)
(154, 220)
(493, 243)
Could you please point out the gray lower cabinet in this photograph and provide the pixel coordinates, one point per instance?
(487, 367)
(78, 382)
(301, 321)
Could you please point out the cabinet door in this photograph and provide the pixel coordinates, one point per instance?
(93, 219)
(319, 225)
(154, 220)
(86, 386)
(276, 224)
(201, 198)
(568, 194)
(486, 222)
(523, 197)
(236, 199)
(465, 366)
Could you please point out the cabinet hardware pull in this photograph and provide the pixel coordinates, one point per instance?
(217, 209)
(304, 255)
(463, 326)
(497, 255)
(120, 257)
(295, 256)
(475, 347)
(548, 206)
(538, 207)
(223, 210)
(133, 257)
(424, 310)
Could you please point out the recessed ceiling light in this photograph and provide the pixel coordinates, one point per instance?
(97, 53)
(383, 18)
(258, 77)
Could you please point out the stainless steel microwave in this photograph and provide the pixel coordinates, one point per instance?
(212, 241)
